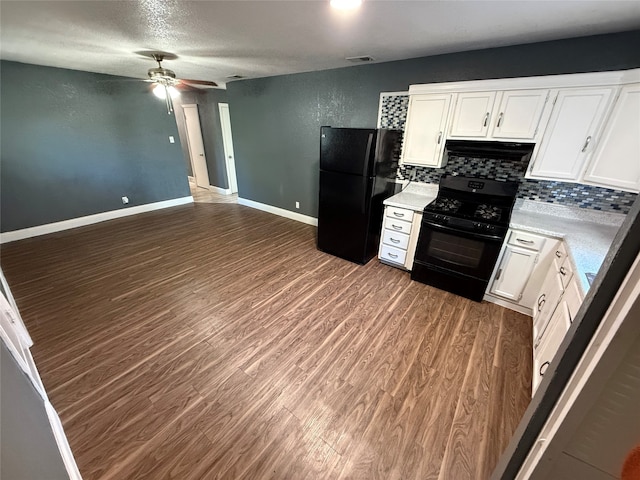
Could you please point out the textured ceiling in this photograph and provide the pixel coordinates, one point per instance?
(215, 39)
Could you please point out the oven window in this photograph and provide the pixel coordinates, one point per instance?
(459, 251)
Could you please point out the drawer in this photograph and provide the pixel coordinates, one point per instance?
(566, 272)
(399, 213)
(396, 225)
(395, 239)
(392, 254)
(526, 240)
(559, 255)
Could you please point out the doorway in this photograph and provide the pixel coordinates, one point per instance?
(227, 141)
(195, 146)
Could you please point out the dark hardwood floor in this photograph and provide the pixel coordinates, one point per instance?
(214, 341)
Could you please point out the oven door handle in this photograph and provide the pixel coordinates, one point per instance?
(453, 230)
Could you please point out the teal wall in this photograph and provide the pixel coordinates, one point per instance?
(276, 121)
(73, 143)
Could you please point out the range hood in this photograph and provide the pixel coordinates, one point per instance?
(484, 149)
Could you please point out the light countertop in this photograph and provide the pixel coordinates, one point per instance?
(415, 196)
(588, 234)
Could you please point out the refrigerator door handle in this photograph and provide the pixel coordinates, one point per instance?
(367, 156)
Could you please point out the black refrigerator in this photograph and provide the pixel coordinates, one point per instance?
(357, 173)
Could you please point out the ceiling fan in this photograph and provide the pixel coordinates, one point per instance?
(166, 84)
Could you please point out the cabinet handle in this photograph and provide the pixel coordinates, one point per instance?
(396, 227)
(586, 143)
(498, 274)
(563, 272)
(558, 254)
(526, 242)
(398, 214)
(541, 301)
(486, 120)
(439, 137)
(393, 240)
(392, 255)
(500, 119)
(543, 368)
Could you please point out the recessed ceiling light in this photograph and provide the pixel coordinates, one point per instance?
(346, 4)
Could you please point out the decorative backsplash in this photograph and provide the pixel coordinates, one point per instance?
(393, 114)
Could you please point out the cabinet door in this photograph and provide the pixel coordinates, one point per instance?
(425, 130)
(513, 272)
(472, 114)
(568, 140)
(546, 303)
(519, 114)
(616, 162)
(546, 350)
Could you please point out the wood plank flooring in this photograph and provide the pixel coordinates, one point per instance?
(214, 341)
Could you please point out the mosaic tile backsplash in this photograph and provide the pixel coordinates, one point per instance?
(394, 114)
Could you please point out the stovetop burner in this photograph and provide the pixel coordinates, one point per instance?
(488, 212)
(447, 205)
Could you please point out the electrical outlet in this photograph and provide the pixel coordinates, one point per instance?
(171, 139)
(297, 204)
(125, 200)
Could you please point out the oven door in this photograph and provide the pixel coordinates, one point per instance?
(453, 250)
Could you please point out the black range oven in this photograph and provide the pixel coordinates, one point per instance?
(461, 234)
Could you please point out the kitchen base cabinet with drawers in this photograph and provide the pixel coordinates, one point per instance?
(399, 236)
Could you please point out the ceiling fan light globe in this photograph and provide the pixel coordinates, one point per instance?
(173, 92)
(160, 91)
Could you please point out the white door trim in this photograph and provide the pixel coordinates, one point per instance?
(227, 142)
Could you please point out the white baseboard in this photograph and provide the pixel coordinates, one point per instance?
(222, 191)
(89, 219)
(279, 211)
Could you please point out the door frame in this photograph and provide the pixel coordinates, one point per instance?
(229, 156)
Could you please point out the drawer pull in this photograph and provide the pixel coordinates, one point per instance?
(486, 120)
(541, 301)
(498, 274)
(392, 255)
(394, 240)
(558, 254)
(500, 119)
(543, 368)
(526, 242)
(586, 143)
(397, 214)
(563, 272)
(396, 227)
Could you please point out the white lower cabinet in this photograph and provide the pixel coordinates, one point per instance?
(521, 268)
(543, 354)
(546, 303)
(399, 236)
(513, 272)
(560, 299)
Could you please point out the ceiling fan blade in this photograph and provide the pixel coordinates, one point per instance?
(203, 83)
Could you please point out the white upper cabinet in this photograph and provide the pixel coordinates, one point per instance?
(472, 114)
(571, 133)
(424, 135)
(518, 114)
(512, 114)
(616, 162)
